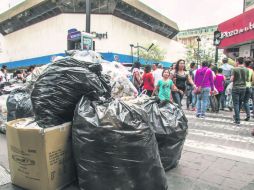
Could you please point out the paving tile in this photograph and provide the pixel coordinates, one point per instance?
(5, 177)
(223, 164)
(243, 168)
(233, 184)
(211, 177)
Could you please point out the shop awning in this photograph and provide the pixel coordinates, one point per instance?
(238, 30)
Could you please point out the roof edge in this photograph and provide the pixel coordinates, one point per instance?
(23, 6)
(148, 10)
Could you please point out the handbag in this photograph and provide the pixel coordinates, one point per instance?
(198, 90)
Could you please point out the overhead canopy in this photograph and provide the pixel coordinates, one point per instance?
(33, 11)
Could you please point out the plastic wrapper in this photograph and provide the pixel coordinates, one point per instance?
(170, 126)
(121, 85)
(115, 148)
(19, 104)
(57, 91)
(3, 113)
(38, 71)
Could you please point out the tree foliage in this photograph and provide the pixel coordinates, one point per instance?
(155, 54)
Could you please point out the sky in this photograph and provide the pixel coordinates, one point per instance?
(5, 4)
(197, 13)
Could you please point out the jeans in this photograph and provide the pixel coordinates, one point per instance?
(218, 97)
(252, 97)
(177, 97)
(246, 104)
(189, 96)
(238, 98)
(194, 99)
(223, 96)
(202, 100)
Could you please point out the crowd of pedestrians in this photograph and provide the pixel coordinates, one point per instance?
(206, 87)
(17, 76)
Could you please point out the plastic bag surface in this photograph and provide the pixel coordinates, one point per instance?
(170, 126)
(19, 104)
(57, 91)
(115, 148)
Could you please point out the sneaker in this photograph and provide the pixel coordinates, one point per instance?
(237, 123)
(247, 119)
(198, 115)
(202, 117)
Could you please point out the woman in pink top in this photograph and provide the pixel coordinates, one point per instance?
(219, 83)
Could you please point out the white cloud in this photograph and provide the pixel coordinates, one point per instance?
(197, 13)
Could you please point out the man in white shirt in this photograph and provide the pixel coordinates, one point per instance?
(227, 72)
(3, 74)
(157, 73)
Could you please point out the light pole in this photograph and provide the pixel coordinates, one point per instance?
(88, 15)
(198, 56)
(244, 3)
(132, 53)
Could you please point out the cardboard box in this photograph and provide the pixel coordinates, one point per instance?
(40, 159)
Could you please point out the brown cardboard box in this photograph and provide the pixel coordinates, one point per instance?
(40, 159)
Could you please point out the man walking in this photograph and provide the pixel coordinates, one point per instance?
(239, 78)
(157, 73)
(248, 92)
(227, 72)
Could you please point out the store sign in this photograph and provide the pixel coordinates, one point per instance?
(237, 30)
(100, 35)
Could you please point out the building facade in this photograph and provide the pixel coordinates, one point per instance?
(236, 35)
(36, 30)
(248, 5)
(200, 42)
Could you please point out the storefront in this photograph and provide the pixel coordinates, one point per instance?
(36, 31)
(236, 36)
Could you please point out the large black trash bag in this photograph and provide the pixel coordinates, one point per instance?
(114, 148)
(171, 127)
(19, 104)
(58, 90)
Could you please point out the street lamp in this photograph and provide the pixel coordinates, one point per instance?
(198, 40)
(138, 47)
(88, 15)
(132, 53)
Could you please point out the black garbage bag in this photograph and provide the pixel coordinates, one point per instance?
(115, 148)
(57, 91)
(170, 126)
(19, 104)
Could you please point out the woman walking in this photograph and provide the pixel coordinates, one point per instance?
(180, 78)
(219, 83)
(205, 83)
(148, 81)
(164, 86)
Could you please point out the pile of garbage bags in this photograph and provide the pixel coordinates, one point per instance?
(115, 148)
(119, 140)
(129, 141)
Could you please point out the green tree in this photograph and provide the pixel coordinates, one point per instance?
(155, 54)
